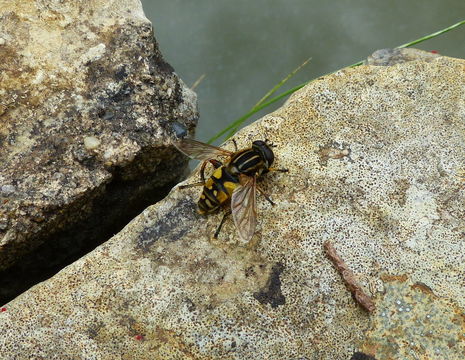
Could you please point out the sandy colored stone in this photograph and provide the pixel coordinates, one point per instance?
(86, 106)
(374, 154)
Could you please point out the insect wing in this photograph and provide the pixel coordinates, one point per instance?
(243, 208)
(199, 150)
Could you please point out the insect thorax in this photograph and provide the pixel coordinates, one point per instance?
(248, 162)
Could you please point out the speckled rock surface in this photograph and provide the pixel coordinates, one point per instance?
(86, 100)
(373, 154)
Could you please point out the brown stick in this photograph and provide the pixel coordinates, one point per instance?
(349, 278)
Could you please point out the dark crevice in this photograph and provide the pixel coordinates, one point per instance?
(361, 356)
(115, 206)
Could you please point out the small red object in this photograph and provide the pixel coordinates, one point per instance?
(3, 309)
(434, 51)
(138, 337)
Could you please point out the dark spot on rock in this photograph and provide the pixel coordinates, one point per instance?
(249, 271)
(361, 356)
(179, 130)
(94, 329)
(122, 95)
(173, 226)
(121, 74)
(164, 67)
(174, 128)
(59, 143)
(84, 157)
(190, 304)
(105, 114)
(271, 293)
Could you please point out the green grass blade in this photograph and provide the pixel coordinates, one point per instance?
(239, 121)
(281, 83)
(269, 93)
(433, 35)
(232, 128)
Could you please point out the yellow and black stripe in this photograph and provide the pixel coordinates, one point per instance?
(218, 189)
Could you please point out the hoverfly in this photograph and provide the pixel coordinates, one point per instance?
(233, 182)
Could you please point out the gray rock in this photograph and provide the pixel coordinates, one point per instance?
(389, 57)
(374, 154)
(86, 104)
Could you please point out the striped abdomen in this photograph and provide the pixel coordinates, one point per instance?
(217, 190)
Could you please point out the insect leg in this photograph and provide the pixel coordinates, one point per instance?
(216, 163)
(266, 196)
(235, 144)
(217, 232)
(200, 183)
(202, 171)
(202, 177)
(276, 169)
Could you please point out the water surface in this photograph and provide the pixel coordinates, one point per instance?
(245, 47)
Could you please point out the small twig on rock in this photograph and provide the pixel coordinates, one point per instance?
(349, 278)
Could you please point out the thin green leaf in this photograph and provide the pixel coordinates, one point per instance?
(433, 35)
(269, 93)
(281, 83)
(232, 128)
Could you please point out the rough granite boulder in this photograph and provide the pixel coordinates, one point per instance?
(374, 155)
(86, 101)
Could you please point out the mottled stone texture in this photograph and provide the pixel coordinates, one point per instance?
(373, 155)
(86, 101)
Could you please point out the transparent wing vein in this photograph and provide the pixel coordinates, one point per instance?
(199, 150)
(243, 208)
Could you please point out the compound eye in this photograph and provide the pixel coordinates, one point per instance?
(265, 151)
